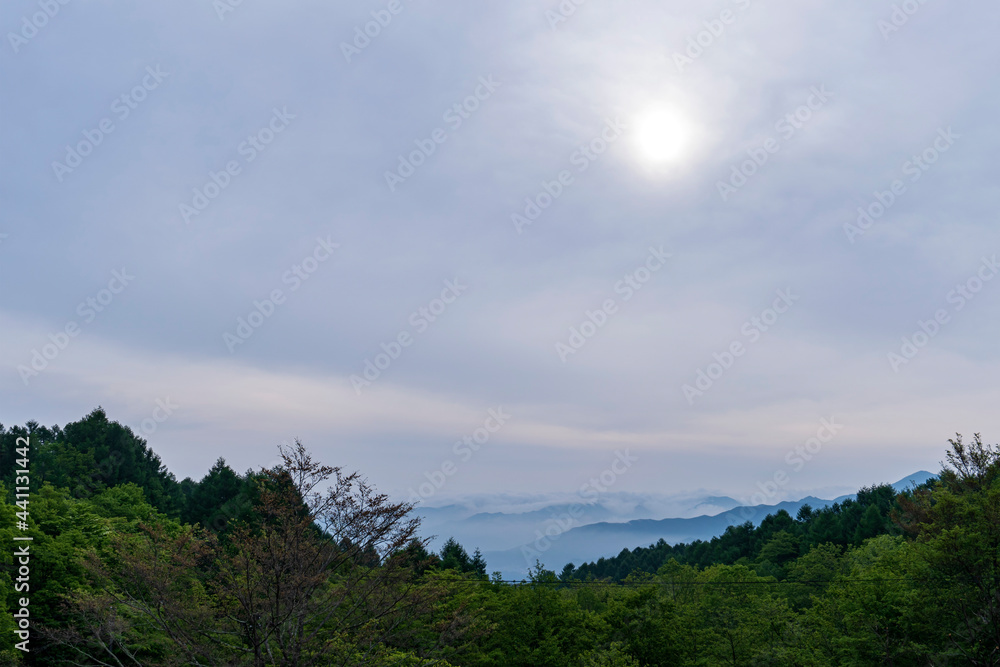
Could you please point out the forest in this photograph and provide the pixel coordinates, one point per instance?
(308, 564)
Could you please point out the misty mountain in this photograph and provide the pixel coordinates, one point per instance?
(558, 540)
(501, 521)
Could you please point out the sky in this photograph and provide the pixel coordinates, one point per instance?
(507, 247)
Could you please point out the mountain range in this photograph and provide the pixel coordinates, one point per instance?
(554, 531)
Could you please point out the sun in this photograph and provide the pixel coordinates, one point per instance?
(662, 135)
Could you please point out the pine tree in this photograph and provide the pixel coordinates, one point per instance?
(478, 564)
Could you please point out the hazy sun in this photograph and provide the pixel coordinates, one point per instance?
(662, 135)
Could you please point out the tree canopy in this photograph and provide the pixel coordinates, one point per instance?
(308, 564)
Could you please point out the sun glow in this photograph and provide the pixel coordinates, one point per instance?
(662, 135)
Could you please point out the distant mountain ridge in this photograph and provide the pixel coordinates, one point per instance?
(476, 526)
(556, 546)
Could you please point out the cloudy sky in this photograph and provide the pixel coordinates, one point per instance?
(619, 226)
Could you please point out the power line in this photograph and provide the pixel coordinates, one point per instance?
(636, 584)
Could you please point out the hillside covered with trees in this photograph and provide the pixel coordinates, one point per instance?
(306, 564)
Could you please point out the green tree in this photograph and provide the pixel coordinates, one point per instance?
(741, 620)
(614, 656)
(95, 453)
(875, 612)
(809, 575)
(777, 552)
(872, 523)
(957, 529)
(478, 564)
(214, 501)
(455, 557)
(644, 624)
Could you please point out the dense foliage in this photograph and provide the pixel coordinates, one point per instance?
(303, 564)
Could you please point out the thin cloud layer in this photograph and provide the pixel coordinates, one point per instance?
(367, 232)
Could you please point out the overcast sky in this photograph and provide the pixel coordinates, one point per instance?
(377, 168)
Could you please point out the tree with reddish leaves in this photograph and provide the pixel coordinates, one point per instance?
(320, 570)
